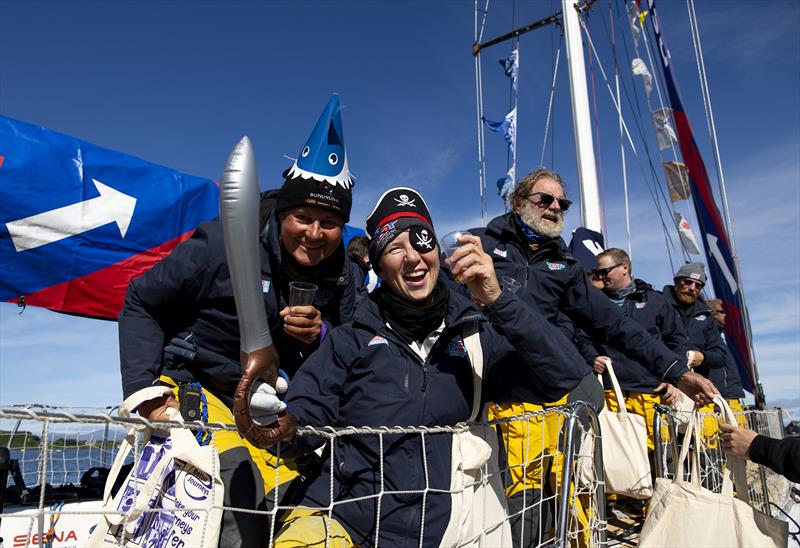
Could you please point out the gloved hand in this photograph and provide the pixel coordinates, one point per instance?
(265, 403)
(182, 348)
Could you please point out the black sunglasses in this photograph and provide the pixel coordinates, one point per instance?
(545, 199)
(603, 272)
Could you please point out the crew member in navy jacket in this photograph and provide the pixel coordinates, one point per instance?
(408, 358)
(179, 326)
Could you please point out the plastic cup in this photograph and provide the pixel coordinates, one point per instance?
(510, 283)
(449, 243)
(301, 293)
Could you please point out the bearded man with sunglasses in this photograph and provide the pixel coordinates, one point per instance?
(525, 245)
(708, 354)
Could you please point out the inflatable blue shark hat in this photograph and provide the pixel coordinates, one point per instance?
(319, 176)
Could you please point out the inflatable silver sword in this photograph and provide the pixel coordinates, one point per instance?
(239, 211)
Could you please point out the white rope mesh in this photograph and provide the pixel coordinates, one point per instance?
(59, 444)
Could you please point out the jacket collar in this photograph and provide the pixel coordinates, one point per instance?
(460, 310)
(504, 228)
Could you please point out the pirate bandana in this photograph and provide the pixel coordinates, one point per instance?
(398, 210)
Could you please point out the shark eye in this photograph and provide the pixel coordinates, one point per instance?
(306, 151)
(333, 158)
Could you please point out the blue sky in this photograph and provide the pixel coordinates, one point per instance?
(179, 83)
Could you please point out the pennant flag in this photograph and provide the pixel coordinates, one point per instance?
(508, 127)
(686, 234)
(717, 247)
(665, 135)
(586, 244)
(78, 221)
(640, 69)
(511, 67)
(634, 18)
(677, 177)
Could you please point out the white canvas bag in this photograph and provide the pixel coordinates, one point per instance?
(478, 510)
(624, 442)
(174, 473)
(684, 513)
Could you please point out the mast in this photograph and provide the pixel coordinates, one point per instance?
(581, 118)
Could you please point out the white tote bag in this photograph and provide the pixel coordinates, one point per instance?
(624, 442)
(478, 511)
(684, 513)
(175, 475)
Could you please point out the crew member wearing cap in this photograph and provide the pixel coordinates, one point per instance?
(706, 350)
(179, 325)
(419, 352)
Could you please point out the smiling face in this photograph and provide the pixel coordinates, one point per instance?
(310, 234)
(406, 271)
(546, 220)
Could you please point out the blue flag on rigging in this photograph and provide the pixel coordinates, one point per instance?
(717, 247)
(507, 126)
(78, 221)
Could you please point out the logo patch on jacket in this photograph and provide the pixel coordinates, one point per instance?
(457, 348)
(500, 252)
(377, 339)
(701, 318)
(641, 305)
(265, 286)
(556, 266)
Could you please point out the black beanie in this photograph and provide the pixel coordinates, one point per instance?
(399, 209)
(300, 192)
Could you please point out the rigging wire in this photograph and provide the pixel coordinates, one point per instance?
(653, 193)
(721, 181)
(550, 106)
(478, 33)
(636, 107)
(684, 182)
(621, 135)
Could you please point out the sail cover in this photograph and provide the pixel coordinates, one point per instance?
(715, 238)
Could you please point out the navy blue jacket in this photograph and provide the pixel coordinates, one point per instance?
(727, 378)
(704, 335)
(190, 292)
(651, 310)
(553, 281)
(365, 374)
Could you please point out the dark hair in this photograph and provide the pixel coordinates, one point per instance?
(358, 245)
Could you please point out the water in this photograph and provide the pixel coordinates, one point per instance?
(65, 465)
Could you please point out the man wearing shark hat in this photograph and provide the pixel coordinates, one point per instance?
(179, 329)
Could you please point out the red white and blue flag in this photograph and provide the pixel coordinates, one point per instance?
(78, 221)
(717, 246)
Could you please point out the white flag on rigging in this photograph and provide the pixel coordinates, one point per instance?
(686, 234)
(633, 17)
(511, 67)
(640, 69)
(677, 177)
(665, 135)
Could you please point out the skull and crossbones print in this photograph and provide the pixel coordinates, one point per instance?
(405, 201)
(422, 239)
